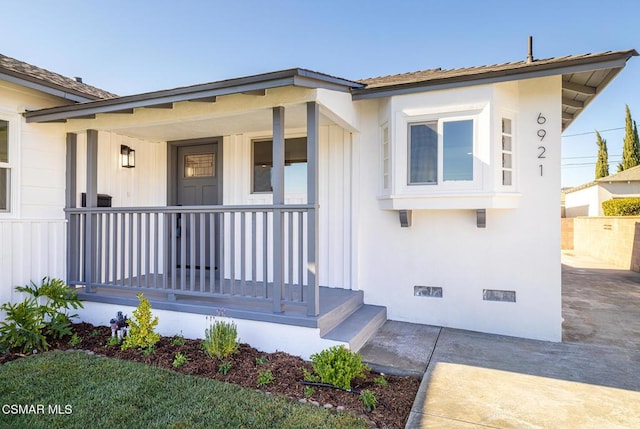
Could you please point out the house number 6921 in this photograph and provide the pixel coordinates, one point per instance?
(542, 133)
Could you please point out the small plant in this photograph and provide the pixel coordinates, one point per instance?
(224, 368)
(308, 391)
(221, 339)
(261, 360)
(75, 340)
(179, 360)
(149, 350)
(94, 333)
(178, 340)
(337, 366)
(381, 380)
(113, 341)
(43, 313)
(368, 399)
(265, 378)
(141, 333)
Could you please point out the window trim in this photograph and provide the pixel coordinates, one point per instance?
(441, 184)
(513, 152)
(13, 153)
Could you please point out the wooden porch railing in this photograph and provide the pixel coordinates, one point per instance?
(212, 251)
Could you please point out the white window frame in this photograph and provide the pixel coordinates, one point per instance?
(510, 116)
(386, 177)
(441, 184)
(13, 162)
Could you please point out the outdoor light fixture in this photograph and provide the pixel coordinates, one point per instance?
(127, 156)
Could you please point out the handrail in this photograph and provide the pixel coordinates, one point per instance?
(192, 209)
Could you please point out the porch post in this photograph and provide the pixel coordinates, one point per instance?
(70, 202)
(92, 202)
(277, 184)
(313, 303)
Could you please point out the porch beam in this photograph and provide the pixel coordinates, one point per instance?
(92, 202)
(212, 99)
(128, 111)
(277, 184)
(313, 131)
(258, 92)
(160, 106)
(70, 202)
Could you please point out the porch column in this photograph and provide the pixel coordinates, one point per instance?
(70, 202)
(92, 202)
(313, 303)
(277, 184)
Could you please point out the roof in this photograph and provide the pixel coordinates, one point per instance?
(629, 175)
(583, 77)
(47, 81)
(203, 92)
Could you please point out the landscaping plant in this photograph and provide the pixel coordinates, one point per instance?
(141, 333)
(368, 399)
(265, 378)
(43, 313)
(75, 340)
(224, 368)
(337, 366)
(221, 339)
(179, 360)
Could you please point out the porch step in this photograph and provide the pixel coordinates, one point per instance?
(344, 304)
(359, 326)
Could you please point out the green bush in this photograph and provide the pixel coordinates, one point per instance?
(338, 366)
(369, 399)
(43, 313)
(141, 333)
(221, 339)
(622, 207)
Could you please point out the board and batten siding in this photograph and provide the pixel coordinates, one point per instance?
(335, 198)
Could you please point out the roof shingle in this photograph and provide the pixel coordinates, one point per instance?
(47, 78)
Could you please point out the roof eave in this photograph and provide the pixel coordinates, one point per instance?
(46, 87)
(290, 77)
(528, 72)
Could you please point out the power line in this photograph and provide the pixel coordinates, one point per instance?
(592, 156)
(593, 132)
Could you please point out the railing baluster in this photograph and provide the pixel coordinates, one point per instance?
(203, 257)
(147, 250)
(232, 251)
(243, 263)
(289, 255)
(192, 251)
(265, 254)
(107, 248)
(222, 252)
(139, 250)
(123, 219)
(300, 255)
(212, 252)
(183, 251)
(173, 263)
(254, 233)
(98, 235)
(130, 245)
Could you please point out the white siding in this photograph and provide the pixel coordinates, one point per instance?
(31, 250)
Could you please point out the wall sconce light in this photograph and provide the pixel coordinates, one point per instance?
(127, 156)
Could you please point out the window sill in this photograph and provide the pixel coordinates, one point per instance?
(451, 201)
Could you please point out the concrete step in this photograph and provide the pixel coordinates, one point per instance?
(344, 305)
(359, 326)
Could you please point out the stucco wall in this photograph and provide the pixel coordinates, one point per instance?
(612, 239)
(517, 251)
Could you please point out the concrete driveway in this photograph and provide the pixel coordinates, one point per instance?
(590, 380)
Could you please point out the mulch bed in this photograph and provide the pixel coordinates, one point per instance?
(394, 400)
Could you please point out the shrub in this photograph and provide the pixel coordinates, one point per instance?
(381, 380)
(265, 378)
(43, 313)
(221, 339)
(141, 333)
(178, 340)
(368, 399)
(75, 340)
(338, 366)
(224, 368)
(622, 207)
(179, 360)
(261, 360)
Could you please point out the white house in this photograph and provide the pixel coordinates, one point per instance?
(587, 199)
(307, 207)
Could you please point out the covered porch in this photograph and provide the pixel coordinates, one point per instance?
(251, 254)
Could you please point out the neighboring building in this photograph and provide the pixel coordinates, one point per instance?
(587, 199)
(308, 207)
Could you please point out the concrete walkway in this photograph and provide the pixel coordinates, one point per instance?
(474, 380)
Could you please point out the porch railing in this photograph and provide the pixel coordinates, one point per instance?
(210, 251)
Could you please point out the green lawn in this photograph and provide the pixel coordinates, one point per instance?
(110, 393)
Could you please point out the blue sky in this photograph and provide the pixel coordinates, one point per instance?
(136, 46)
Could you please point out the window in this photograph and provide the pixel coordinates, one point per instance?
(200, 165)
(295, 165)
(386, 158)
(440, 145)
(5, 170)
(507, 152)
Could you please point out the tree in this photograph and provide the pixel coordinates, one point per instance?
(631, 145)
(602, 165)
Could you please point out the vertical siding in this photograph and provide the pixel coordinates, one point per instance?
(31, 250)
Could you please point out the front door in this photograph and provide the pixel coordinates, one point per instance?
(197, 184)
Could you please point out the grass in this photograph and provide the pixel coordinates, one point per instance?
(107, 392)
